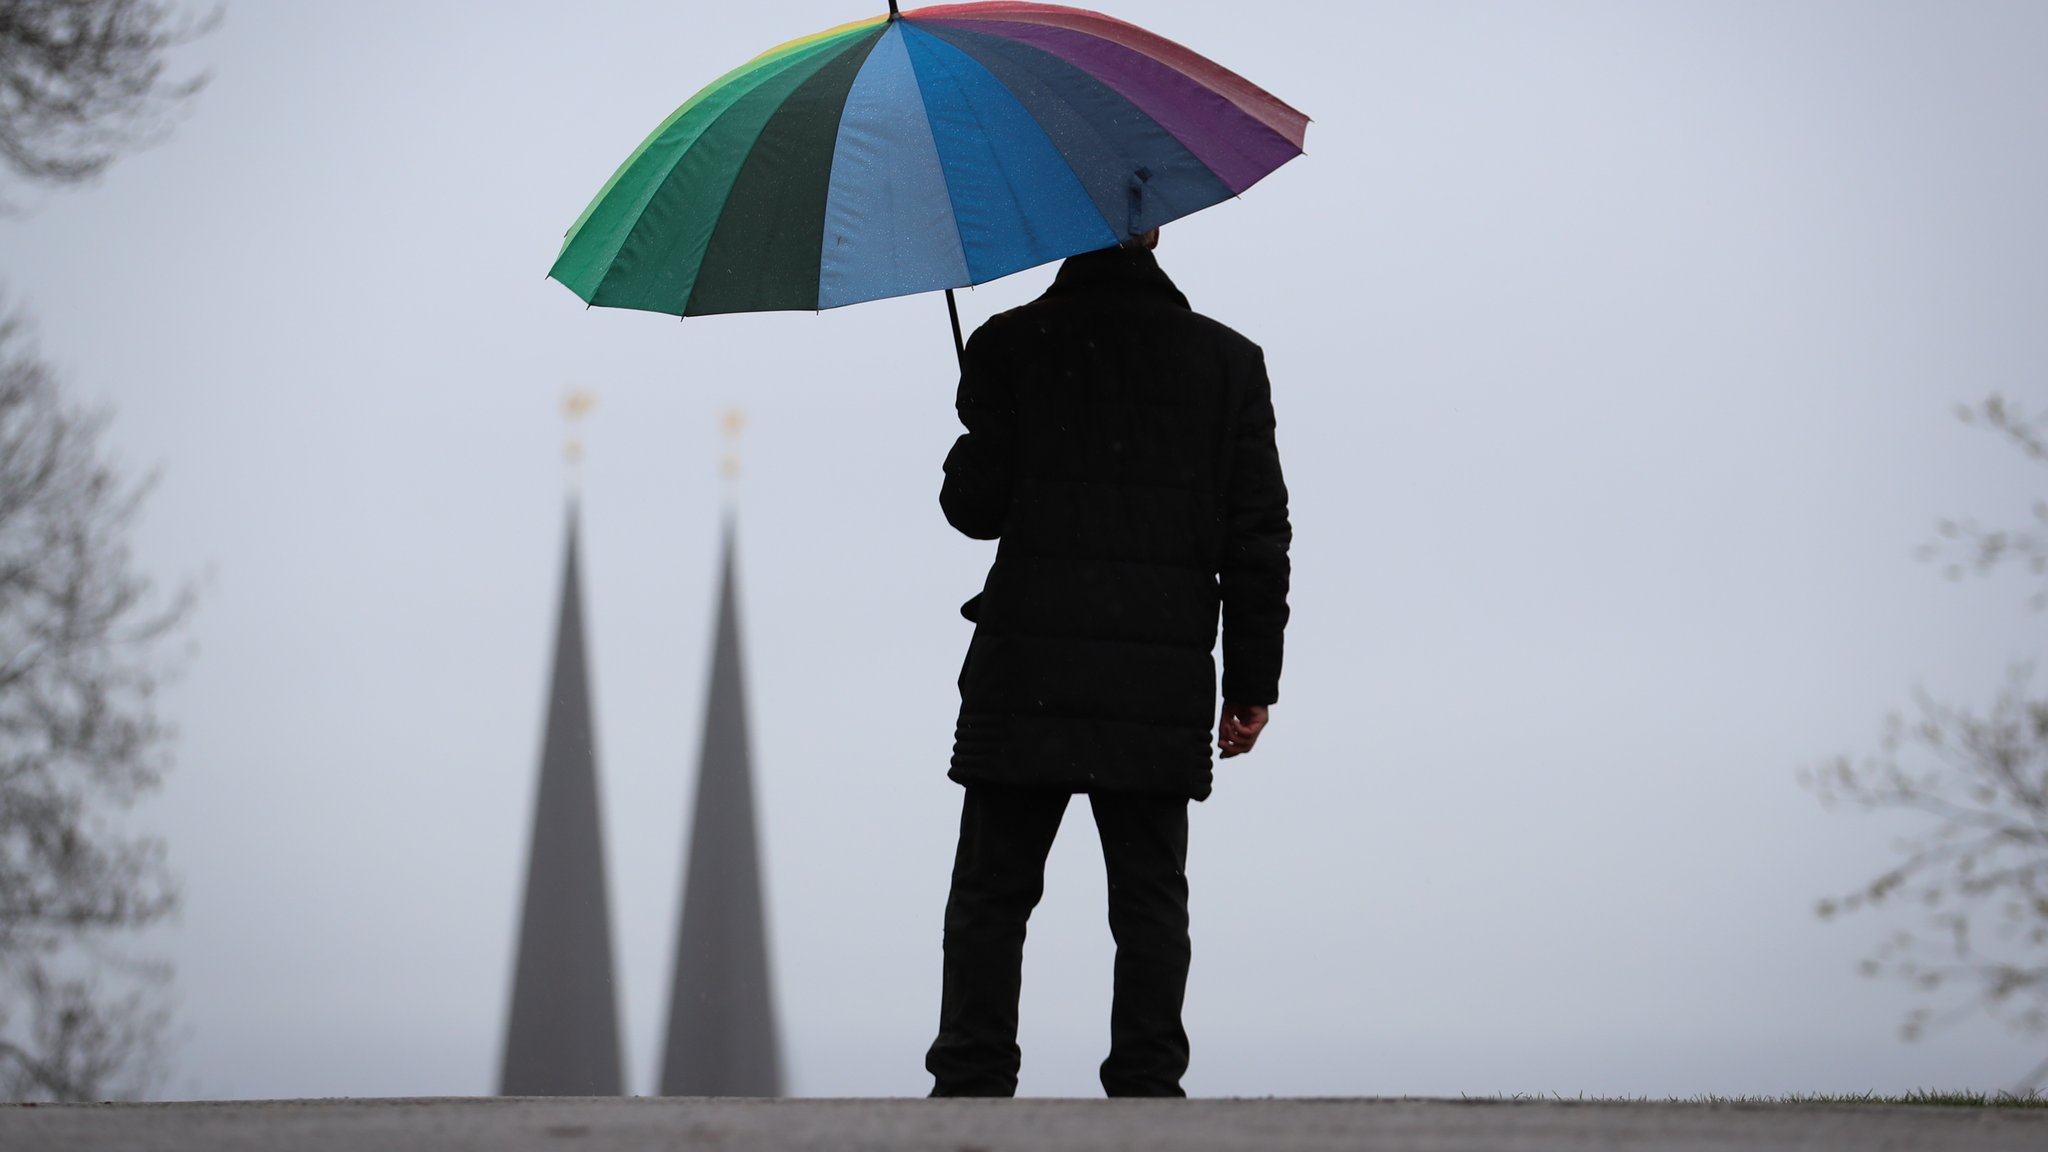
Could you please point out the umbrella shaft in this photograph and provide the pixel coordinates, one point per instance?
(959, 345)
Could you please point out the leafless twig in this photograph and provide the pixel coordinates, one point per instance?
(80, 740)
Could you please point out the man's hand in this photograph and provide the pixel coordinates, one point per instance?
(1239, 727)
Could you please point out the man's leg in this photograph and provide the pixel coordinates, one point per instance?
(998, 876)
(1145, 852)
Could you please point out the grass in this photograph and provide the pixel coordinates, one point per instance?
(1922, 1098)
(1925, 1098)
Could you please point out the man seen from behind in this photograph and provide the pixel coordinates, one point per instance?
(1121, 448)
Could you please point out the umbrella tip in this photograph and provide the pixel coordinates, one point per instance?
(893, 13)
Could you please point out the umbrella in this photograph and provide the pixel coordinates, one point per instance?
(931, 149)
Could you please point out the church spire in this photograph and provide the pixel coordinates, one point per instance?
(562, 1037)
(721, 1025)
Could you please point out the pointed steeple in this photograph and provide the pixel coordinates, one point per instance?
(562, 1038)
(721, 1024)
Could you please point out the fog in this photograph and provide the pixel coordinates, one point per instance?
(1615, 349)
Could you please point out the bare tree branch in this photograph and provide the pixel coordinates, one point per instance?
(1978, 870)
(1965, 546)
(80, 742)
(84, 81)
(86, 1046)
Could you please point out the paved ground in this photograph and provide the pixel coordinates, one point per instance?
(1002, 1126)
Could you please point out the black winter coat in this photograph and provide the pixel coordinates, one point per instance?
(1121, 447)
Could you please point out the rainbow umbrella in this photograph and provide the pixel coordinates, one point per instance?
(930, 149)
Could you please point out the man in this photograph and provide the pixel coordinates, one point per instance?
(1121, 448)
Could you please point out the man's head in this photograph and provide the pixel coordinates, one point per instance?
(1146, 241)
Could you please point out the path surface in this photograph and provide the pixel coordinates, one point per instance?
(1003, 1126)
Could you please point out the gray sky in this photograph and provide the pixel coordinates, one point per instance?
(1614, 347)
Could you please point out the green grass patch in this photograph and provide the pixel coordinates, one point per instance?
(1922, 1098)
(1925, 1098)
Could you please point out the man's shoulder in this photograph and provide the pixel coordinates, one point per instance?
(1053, 311)
(1232, 346)
(1009, 319)
(1228, 335)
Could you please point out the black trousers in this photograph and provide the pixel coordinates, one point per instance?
(998, 876)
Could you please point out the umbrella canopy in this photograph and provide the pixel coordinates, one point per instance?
(935, 148)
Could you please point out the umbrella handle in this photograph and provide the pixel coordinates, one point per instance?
(959, 346)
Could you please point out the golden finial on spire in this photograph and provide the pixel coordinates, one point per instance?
(734, 422)
(576, 405)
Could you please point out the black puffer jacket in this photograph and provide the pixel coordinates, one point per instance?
(1121, 447)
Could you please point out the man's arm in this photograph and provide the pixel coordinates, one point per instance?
(976, 494)
(1254, 567)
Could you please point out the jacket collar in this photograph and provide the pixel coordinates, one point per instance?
(1118, 270)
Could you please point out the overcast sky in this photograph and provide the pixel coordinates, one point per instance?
(1615, 348)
